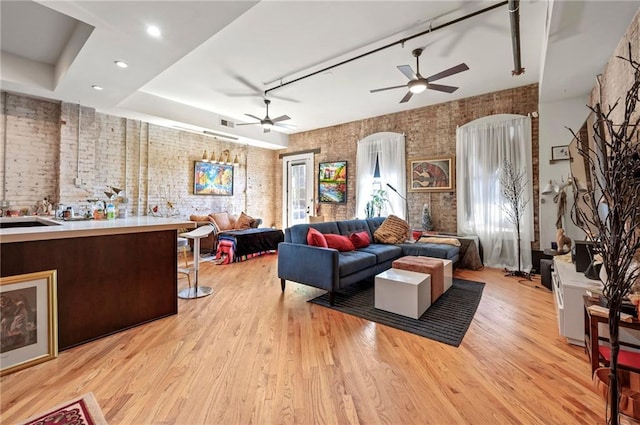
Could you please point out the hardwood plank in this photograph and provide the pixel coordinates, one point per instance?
(249, 354)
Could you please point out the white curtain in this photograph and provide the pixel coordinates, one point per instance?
(482, 146)
(389, 149)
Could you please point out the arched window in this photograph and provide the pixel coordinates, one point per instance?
(482, 146)
(383, 152)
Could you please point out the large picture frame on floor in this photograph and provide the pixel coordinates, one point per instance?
(28, 320)
(432, 174)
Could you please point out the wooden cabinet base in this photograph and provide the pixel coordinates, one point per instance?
(105, 283)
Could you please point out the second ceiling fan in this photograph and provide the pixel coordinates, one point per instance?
(417, 83)
(267, 123)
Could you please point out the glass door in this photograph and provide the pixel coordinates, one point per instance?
(298, 202)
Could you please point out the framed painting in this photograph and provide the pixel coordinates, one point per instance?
(560, 153)
(28, 320)
(332, 182)
(212, 179)
(432, 174)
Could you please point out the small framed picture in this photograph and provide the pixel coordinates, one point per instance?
(28, 320)
(560, 153)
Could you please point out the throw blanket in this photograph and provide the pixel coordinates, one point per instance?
(238, 245)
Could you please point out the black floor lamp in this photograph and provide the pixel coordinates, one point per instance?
(406, 202)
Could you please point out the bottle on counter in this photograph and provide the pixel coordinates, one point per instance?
(111, 212)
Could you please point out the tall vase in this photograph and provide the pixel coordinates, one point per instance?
(427, 223)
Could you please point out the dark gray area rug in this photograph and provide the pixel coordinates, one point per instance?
(446, 320)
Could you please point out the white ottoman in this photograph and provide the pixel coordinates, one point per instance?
(448, 273)
(403, 292)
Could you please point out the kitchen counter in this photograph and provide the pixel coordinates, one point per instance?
(59, 229)
(112, 275)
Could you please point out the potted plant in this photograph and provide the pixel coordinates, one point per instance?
(378, 200)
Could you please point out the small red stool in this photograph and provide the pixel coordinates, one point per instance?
(424, 265)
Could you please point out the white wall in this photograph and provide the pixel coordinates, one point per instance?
(555, 117)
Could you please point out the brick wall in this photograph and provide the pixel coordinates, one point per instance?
(47, 156)
(617, 76)
(430, 131)
(31, 128)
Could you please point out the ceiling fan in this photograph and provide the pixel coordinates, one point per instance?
(417, 83)
(267, 123)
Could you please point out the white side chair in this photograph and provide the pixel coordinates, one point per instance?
(196, 235)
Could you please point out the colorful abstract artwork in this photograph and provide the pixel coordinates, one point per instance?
(213, 179)
(332, 182)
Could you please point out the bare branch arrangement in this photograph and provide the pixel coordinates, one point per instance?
(614, 163)
(513, 185)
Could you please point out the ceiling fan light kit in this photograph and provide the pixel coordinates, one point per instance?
(268, 123)
(417, 83)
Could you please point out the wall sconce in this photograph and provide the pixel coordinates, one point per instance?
(224, 158)
(554, 187)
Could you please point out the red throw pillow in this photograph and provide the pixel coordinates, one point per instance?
(339, 242)
(360, 239)
(315, 238)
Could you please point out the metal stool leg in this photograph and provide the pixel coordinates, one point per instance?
(196, 291)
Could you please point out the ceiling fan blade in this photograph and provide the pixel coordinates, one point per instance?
(248, 84)
(440, 87)
(453, 70)
(387, 88)
(288, 126)
(254, 117)
(408, 72)
(406, 97)
(281, 118)
(247, 123)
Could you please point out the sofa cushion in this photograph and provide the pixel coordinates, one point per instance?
(195, 217)
(315, 238)
(298, 232)
(360, 239)
(383, 252)
(392, 230)
(354, 261)
(223, 220)
(244, 221)
(339, 242)
(446, 252)
(347, 227)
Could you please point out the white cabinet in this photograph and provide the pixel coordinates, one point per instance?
(569, 289)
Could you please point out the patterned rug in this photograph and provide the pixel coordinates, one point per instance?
(446, 320)
(83, 410)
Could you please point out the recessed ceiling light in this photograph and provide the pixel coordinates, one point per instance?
(153, 31)
(121, 64)
(96, 87)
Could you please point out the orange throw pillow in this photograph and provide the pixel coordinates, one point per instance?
(222, 220)
(339, 242)
(360, 239)
(315, 238)
(244, 221)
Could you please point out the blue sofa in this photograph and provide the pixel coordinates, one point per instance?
(331, 270)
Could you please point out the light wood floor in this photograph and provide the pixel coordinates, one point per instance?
(249, 355)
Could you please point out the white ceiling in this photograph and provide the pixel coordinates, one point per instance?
(215, 59)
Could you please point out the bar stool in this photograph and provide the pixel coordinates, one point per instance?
(196, 235)
(183, 243)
